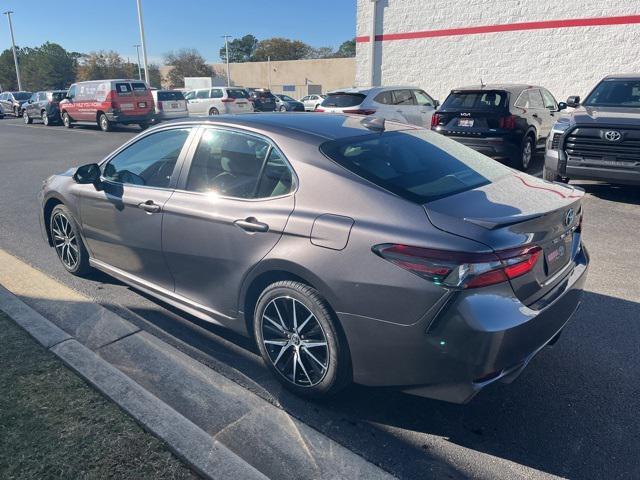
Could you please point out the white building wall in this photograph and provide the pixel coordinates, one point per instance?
(568, 61)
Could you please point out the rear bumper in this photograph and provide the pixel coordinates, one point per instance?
(500, 148)
(166, 115)
(125, 119)
(463, 344)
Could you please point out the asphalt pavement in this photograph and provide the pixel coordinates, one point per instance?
(573, 412)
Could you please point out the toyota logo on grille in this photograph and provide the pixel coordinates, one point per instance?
(569, 217)
(612, 135)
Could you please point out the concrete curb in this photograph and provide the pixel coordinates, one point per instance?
(190, 443)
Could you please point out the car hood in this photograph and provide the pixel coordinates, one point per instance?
(605, 115)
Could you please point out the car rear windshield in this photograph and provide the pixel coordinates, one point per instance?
(615, 93)
(340, 100)
(237, 93)
(22, 96)
(478, 100)
(172, 95)
(418, 165)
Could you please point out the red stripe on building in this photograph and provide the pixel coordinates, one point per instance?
(508, 27)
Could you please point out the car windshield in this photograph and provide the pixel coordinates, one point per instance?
(343, 100)
(615, 93)
(237, 93)
(170, 95)
(480, 100)
(420, 166)
(22, 96)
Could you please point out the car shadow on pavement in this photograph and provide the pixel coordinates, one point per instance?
(614, 193)
(571, 413)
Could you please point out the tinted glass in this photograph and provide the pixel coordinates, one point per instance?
(189, 95)
(22, 96)
(418, 165)
(216, 93)
(489, 100)
(138, 86)
(341, 100)
(386, 98)
(286, 98)
(615, 93)
(237, 93)
(535, 100)
(202, 94)
(57, 96)
(123, 89)
(227, 164)
(523, 100)
(72, 92)
(149, 161)
(276, 179)
(423, 99)
(549, 101)
(403, 97)
(172, 95)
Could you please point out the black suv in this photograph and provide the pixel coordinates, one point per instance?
(600, 139)
(262, 99)
(44, 106)
(506, 122)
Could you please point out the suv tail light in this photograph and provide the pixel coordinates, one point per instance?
(228, 100)
(508, 122)
(461, 269)
(435, 119)
(358, 111)
(159, 105)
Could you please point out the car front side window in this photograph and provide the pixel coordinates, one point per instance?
(148, 162)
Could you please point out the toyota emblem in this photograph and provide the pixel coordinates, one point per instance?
(612, 135)
(569, 217)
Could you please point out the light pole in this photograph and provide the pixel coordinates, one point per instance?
(144, 48)
(139, 70)
(15, 53)
(226, 47)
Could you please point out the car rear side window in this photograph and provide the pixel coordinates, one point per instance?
(341, 100)
(420, 166)
(123, 89)
(216, 93)
(403, 97)
(202, 94)
(535, 100)
(385, 98)
(472, 100)
(138, 86)
(150, 161)
(170, 95)
(237, 93)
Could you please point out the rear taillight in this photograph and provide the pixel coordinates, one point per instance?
(318, 109)
(228, 100)
(159, 104)
(461, 269)
(435, 119)
(508, 123)
(358, 111)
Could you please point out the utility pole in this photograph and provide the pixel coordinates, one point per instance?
(269, 70)
(15, 53)
(226, 47)
(139, 70)
(372, 44)
(143, 45)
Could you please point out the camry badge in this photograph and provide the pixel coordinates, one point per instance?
(569, 217)
(612, 135)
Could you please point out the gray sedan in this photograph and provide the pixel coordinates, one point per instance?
(350, 249)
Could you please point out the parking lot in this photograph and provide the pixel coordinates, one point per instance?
(572, 413)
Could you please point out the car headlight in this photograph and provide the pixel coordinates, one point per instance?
(558, 129)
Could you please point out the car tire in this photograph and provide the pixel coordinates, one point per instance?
(213, 111)
(27, 119)
(66, 120)
(104, 123)
(143, 125)
(67, 241)
(316, 347)
(283, 108)
(44, 116)
(527, 151)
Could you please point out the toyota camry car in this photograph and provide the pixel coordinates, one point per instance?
(351, 249)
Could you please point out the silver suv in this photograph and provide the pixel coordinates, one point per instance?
(218, 100)
(402, 104)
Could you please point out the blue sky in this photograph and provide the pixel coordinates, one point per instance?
(85, 25)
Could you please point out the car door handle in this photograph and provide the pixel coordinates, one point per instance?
(251, 224)
(149, 206)
(535, 115)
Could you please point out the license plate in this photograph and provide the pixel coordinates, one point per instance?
(142, 104)
(465, 122)
(559, 253)
(174, 105)
(126, 106)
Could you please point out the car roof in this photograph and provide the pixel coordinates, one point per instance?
(368, 90)
(316, 128)
(621, 76)
(510, 87)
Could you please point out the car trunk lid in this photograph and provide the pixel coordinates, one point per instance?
(515, 211)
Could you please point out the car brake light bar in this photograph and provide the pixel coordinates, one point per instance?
(228, 100)
(508, 123)
(435, 119)
(360, 111)
(461, 269)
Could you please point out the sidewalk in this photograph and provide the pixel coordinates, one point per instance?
(219, 428)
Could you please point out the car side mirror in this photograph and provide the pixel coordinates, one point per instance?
(436, 103)
(88, 174)
(562, 106)
(573, 101)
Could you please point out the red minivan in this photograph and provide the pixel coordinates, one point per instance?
(108, 102)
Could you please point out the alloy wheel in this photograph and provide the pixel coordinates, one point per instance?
(295, 341)
(45, 118)
(65, 241)
(527, 152)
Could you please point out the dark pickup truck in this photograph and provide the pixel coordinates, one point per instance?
(600, 139)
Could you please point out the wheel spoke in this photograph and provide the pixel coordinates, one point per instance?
(312, 344)
(304, 370)
(280, 343)
(274, 323)
(301, 327)
(284, 326)
(313, 357)
(295, 363)
(295, 317)
(282, 350)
